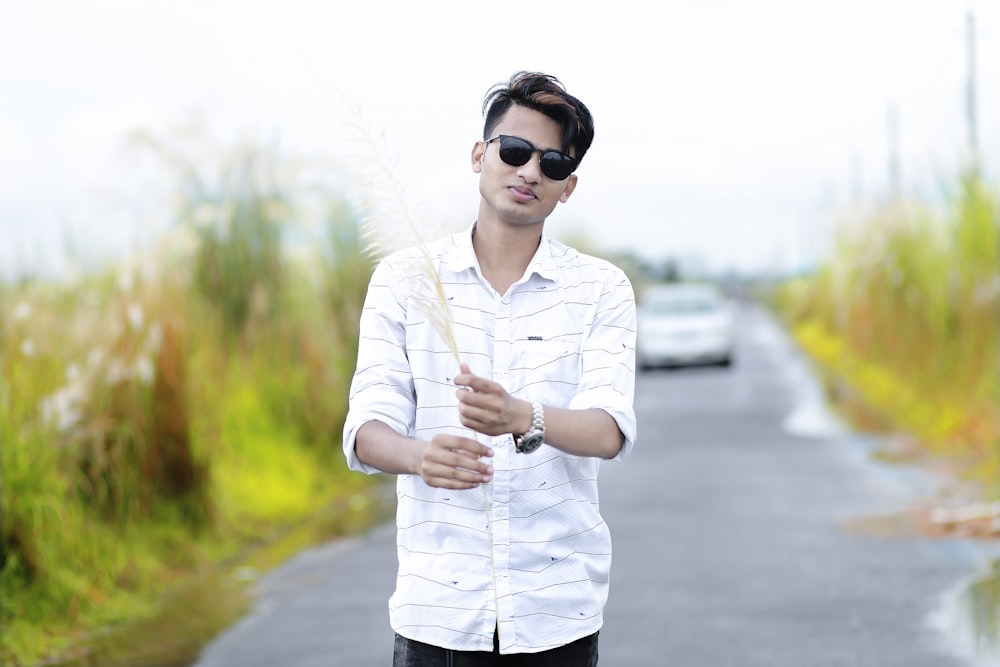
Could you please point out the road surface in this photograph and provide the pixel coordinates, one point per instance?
(732, 543)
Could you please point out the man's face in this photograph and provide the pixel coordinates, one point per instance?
(520, 195)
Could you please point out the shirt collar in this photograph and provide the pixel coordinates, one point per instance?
(462, 256)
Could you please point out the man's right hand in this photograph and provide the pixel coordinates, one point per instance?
(455, 462)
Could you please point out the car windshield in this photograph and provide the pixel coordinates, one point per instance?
(681, 300)
(681, 306)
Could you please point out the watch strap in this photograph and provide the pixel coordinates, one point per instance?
(537, 416)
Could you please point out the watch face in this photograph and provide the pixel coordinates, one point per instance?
(530, 443)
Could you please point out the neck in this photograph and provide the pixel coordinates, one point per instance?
(505, 252)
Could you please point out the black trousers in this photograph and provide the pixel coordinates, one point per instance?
(410, 653)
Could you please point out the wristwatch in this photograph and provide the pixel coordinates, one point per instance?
(533, 438)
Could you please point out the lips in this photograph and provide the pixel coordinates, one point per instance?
(522, 195)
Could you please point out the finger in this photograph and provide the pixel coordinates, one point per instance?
(487, 410)
(453, 484)
(445, 447)
(467, 399)
(464, 376)
(482, 385)
(477, 419)
(473, 458)
(477, 448)
(448, 483)
(453, 477)
(469, 457)
(475, 383)
(477, 399)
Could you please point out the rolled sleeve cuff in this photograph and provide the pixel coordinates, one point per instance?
(355, 420)
(620, 410)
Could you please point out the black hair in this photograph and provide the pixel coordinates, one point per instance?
(546, 94)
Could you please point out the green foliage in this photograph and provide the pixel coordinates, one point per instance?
(157, 417)
(907, 312)
(346, 271)
(237, 212)
(239, 265)
(260, 483)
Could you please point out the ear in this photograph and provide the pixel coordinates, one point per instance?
(570, 186)
(478, 151)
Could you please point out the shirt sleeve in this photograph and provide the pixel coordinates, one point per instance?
(382, 386)
(608, 374)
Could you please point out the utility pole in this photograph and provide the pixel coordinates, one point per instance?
(970, 94)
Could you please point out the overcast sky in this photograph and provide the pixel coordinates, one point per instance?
(730, 131)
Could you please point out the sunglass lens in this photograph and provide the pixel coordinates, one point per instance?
(557, 166)
(514, 151)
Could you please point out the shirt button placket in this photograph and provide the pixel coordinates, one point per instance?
(501, 341)
(501, 477)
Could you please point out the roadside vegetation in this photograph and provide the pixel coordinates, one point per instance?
(161, 416)
(905, 318)
(158, 417)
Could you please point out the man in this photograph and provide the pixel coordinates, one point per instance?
(496, 370)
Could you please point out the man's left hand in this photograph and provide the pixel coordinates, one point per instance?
(487, 408)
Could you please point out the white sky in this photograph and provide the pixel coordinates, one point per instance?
(728, 131)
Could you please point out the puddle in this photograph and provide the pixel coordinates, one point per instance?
(812, 419)
(971, 617)
(198, 611)
(812, 416)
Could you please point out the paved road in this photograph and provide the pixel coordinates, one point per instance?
(730, 544)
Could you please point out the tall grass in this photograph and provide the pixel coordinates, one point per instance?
(907, 311)
(158, 415)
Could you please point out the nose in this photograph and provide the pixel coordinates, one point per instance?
(531, 171)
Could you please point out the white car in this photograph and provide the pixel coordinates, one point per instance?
(684, 324)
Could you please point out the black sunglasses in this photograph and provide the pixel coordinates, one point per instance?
(516, 152)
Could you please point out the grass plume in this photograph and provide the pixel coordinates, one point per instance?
(395, 219)
(428, 289)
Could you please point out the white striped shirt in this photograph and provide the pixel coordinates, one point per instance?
(564, 335)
